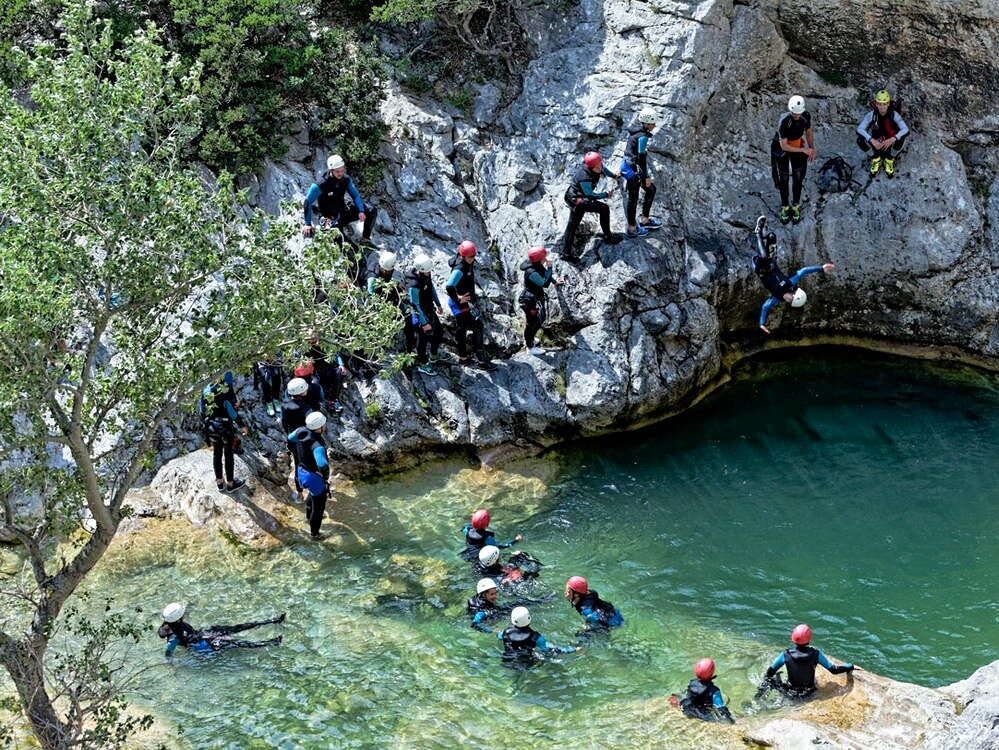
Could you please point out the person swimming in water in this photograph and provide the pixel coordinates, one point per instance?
(177, 632)
(522, 643)
(478, 535)
(703, 699)
(599, 615)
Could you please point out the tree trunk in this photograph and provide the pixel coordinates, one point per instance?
(23, 661)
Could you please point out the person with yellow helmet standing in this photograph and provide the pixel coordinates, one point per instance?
(883, 133)
(793, 146)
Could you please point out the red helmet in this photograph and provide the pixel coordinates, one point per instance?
(537, 254)
(480, 519)
(593, 160)
(802, 635)
(704, 669)
(466, 249)
(304, 370)
(577, 584)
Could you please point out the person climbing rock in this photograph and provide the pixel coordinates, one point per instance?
(582, 197)
(294, 410)
(330, 374)
(635, 171)
(425, 311)
(598, 614)
(177, 632)
(268, 380)
(382, 279)
(799, 661)
(882, 131)
(522, 643)
(306, 370)
(538, 275)
(478, 535)
(329, 196)
(781, 288)
(462, 299)
(220, 420)
(793, 146)
(703, 700)
(519, 567)
(313, 468)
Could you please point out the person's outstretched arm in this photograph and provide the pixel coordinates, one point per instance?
(833, 668)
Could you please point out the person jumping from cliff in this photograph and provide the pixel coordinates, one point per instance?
(330, 198)
(177, 632)
(462, 299)
(538, 275)
(635, 171)
(883, 133)
(781, 288)
(703, 699)
(799, 661)
(793, 146)
(582, 197)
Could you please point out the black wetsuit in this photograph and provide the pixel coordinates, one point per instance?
(294, 410)
(218, 405)
(800, 663)
(380, 281)
(330, 197)
(467, 316)
(582, 198)
(423, 303)
(537, 276)
(307, 444)
(481, 611)
(635, 170)
(703, 700)
(785, 164)
(599, 614)
(215, 638)
(268, 378)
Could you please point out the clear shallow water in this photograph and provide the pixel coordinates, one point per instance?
(856, 494)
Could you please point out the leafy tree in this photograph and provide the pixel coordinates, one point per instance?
(127, 282)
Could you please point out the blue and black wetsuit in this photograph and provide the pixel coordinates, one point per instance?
(423, 304)
(582, 197)
(482, 611)
(703, 700)
(800, 663)
(220, 420)
(599, 615)
(537, 277)
(466, 314)
(635, 170)
(294, 410)
(329, 197)
(328, 377)
(522, 645)
(268, 378)
(389, 285)
(777, 283)
(476, 539)
(215, 638)
(313, 472)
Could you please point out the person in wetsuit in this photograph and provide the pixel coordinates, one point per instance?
(517, 568)
(479, 535)
(483, 606)
(462, 299)
(294, 410)
(313, 468)
(220, 420)
(793, 146)
(382, 279)
(799, 661)
(425, 311)
(522, 643)
(329, 196)
(599, 615)
(781, 287)
(268, 378)
(703, 700)
(582, 197)
(883, 133)
(635, 170)
(177, 632)
(538, 275)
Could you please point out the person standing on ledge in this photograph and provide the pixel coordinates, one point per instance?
(800, 661)
(883, 133)
(582, 197)
(635, 171)
(313, 470)
(462, 299)
(792, 148)
(538, 275)
(330, 198)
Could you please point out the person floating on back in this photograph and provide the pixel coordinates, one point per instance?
(177, 632)
(478, 535)
(635, 171)
(799, 661)
(582, 197)
(883, 133)
(781, 287)
(598, 614)
(329, 196)
(703, 700)
(793, 146)
(522, 643)
(538, 275)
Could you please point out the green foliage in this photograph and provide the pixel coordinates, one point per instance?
(461, 98)
(373, 410)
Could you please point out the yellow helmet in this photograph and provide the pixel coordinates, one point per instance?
(882, 97)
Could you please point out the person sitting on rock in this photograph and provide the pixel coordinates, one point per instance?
(800, 661)
(520, 566)
(582, 197)
(382, 279)
(425, 311)
(781, 288)
(479, 535)
(635, 171)
(177, 632)
(268, 378)
(883, 133)
(462, 299)
(522, 643)
(330, 198)
(538, 275)
(313, 469)
(703, 700)
(219, 419)
(793, 146)
(598, 614)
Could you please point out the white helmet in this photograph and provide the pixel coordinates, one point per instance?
(386, 260)
(521, 617)
(422, 263)
(297, 387)
(335, 162)
(484, 585)
(796, 105)
(173, 612)
(489, 554)
(647, 115)
(316, 420)
(799, 298)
